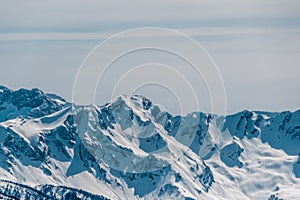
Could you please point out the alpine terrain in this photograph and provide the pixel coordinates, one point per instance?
(130, 149)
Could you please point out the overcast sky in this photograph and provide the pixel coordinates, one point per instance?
(255, 44)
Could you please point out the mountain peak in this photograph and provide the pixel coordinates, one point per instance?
(27, 103)
(128, 148)
(3, 88)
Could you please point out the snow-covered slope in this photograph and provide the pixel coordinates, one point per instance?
(130, 149)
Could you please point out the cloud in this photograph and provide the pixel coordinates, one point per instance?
(255, 43)
(98, 16)
(193, 32)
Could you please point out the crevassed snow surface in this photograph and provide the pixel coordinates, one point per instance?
(130, 149)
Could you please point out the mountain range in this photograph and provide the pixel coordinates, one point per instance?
(131, 149)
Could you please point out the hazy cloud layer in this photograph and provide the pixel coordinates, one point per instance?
(256, 44)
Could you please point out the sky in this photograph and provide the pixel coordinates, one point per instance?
(254, 44)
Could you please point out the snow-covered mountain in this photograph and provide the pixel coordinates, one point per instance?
(130, 149)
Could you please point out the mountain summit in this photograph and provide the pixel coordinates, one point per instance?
(130, 149)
